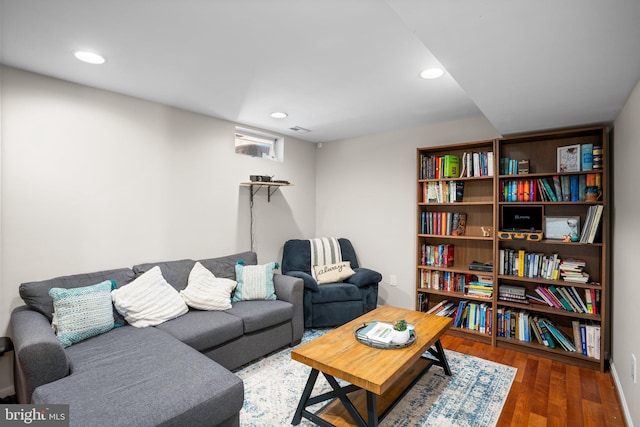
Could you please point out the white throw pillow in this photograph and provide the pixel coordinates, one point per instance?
(149, 300)
(333, 273)
(205, 291)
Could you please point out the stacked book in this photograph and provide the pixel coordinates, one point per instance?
(571, 270)
(483, 287)
(513, 294)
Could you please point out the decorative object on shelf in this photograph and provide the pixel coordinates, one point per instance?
(486, 231)
(557, 227)
(569, 158)
(259, 178)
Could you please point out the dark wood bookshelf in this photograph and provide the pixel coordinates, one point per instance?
(483, 205)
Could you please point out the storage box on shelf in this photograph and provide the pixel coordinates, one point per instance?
(455, 221)
(547, 175)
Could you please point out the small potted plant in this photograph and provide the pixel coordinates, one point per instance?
(401, 332)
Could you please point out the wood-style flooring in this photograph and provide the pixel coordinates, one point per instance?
(549, 393)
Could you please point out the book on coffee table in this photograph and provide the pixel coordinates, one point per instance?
(378, 331)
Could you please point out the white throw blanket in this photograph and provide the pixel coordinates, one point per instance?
(324, 251)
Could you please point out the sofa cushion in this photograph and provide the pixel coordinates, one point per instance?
(206, 291)
(226, 266)
(149, 300)
(81, 313)
(257, 315)
(36, 294)
(174, 272)
(203, 330)
(255, 282)
(333, 292)
(143, 377)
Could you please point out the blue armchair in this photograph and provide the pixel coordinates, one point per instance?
(331, 304)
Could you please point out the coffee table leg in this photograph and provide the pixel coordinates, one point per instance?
(372, 409)
(442, 358)
(297, 417)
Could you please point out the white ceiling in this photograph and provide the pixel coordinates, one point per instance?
(343, 68)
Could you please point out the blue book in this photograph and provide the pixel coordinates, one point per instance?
(575, 188)
(586, 151)
(583, 339)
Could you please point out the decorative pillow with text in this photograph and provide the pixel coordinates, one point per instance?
(333, 273)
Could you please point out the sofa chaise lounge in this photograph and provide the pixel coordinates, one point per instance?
(177, 373)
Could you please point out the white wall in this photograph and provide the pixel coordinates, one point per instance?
(366, 191)
(626, 235)
(95, 180)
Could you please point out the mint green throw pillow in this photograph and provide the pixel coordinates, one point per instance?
(255, 282)
(81, 313)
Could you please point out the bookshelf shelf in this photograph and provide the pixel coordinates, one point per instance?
(465, 237)
(483, 199)
(549, 310)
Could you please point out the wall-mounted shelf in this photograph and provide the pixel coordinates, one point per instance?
(272, 187)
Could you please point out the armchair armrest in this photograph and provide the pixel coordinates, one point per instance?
(364, 277)
(39, 356)
(291, 289)
(309, 282)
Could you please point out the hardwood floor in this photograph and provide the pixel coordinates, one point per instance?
(548, 393)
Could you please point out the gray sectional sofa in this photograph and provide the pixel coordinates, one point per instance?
(177, 373)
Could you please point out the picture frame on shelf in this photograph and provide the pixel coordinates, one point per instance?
(557, 227)
(568, 158)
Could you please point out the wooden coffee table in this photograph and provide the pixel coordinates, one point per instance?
(379, 377)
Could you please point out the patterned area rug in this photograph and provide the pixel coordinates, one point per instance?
(473, 396)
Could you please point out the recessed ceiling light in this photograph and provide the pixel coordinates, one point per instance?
(279, 115)
(89, 57)
(432, 73)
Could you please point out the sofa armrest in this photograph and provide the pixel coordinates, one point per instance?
(291, 289)
(364, 277)
(309, 282)
(39, 356)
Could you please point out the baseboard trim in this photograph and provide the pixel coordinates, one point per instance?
(623, 401)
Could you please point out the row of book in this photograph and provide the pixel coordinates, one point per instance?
(559, 188)
(443, 223)
(479, 286)
(513, 166)
(521, 325)
(561, 297)
(568, 298)
(445, 280)
(439, 167)
(437, 255)
(442, 191)
(471, 164)
(475, 316)
(535, 265)
(591, 224)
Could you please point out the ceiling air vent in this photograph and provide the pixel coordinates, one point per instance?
(299, 129)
